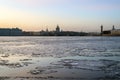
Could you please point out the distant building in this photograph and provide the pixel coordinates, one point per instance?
(10, 32)
(57, 28)
(59, 32)
(56, 32)
(113, 32)
(16, 32)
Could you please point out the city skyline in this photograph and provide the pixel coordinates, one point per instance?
(72, 15)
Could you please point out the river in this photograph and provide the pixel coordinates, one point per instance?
(59, 58)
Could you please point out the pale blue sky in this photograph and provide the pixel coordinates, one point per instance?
(76, 15)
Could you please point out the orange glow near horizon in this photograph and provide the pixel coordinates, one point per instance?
(72, 15)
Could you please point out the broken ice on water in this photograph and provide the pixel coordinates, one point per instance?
(54, 57)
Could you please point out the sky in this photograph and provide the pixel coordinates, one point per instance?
(70, 15)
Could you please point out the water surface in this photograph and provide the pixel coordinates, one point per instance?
(60, 58)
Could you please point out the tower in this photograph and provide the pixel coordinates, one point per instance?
(113, 27)
(101, 30)
(57, 28)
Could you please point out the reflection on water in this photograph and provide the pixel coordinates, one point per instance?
(59, 58)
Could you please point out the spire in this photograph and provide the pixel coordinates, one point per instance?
(46, 29)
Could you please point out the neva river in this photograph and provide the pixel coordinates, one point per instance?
(59, 58)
